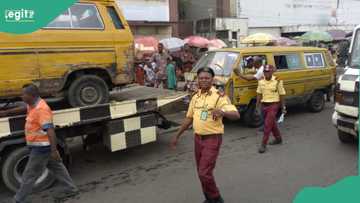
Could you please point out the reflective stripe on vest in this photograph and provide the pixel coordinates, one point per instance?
(34, 134)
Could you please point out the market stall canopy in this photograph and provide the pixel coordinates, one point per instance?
(146, 44)
(316, 36)
(216, 44)
(259, 38)
(197, 41)
(284, 41)
(337, 35)
(173, 44)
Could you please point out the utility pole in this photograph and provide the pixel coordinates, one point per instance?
(210, 10)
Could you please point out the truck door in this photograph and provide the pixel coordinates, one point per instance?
(18, 64)
(124, 44)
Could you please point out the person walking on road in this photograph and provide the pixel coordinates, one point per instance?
(206, 110)
(270, 98)
(41, 141)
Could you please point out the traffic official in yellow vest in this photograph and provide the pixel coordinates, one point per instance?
(206, 111)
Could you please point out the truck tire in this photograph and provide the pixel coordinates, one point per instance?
(317, 102)
(250, 118)
(345, 137)
(88, 90)
(13, 167)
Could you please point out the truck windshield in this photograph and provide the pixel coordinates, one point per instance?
(355, 52)
(221, 62)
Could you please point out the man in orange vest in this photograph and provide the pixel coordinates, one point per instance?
(41, 139)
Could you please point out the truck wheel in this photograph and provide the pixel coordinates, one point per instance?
(14, 166)
(88, 90)
(250, 118)
(345, 137)
(317, 102)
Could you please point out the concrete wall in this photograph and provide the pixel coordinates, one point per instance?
(295, 12)
(159, 32)
(145, 10)
(199, 9)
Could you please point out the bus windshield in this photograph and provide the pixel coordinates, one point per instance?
(355, 52)
(221, 62)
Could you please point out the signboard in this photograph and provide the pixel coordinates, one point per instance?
(265, 13)
(145, 10)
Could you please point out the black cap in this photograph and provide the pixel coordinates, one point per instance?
(207, 70)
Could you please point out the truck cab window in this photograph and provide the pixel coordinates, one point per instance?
(79, 16)
(115, 18)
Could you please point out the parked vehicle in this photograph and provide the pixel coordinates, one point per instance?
(346, 115)
(81, 55)
(308, 73)
(130, 120)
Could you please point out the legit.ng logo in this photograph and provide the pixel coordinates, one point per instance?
(19, 15)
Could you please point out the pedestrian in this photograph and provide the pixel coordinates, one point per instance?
(149, 74)
(206, 111)
(41, 141)
(270, 98)
(140, 74)
(160, 58)
(171, 75)
(187, 58)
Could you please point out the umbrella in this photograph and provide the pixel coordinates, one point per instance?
(284, 41)
(259, 38)
(316, 36)
(146, 44)
(173, 44)
(197, 41)
(216, 44)
(337, 34)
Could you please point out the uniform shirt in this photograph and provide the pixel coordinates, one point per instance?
(38, 120)
(270, 90)
(259, 73)
(205, 102)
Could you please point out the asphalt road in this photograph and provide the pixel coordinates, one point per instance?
(310, 156)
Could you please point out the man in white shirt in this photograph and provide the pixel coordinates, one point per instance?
(259, 70)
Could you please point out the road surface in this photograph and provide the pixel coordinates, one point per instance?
(310, 156)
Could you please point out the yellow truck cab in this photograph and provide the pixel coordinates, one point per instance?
(80, 55)
(308, 74)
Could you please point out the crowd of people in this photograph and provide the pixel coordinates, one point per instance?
(163, 69)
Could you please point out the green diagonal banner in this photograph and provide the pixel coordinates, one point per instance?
(26, 16)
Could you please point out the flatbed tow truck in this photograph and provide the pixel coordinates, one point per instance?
(129, 120)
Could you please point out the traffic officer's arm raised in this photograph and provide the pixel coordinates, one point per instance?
(225, 109)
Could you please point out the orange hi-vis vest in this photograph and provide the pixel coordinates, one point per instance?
(39, 118)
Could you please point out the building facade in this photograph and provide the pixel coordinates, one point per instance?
(215, 19)
(157, 18)
(294, 17)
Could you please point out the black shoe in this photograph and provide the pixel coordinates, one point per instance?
(262, 149)
(218, 200)
(276, 141)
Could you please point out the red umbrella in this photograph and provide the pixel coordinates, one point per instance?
(197, 41)
(146, 43)
(216, 44)
(283, 41)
